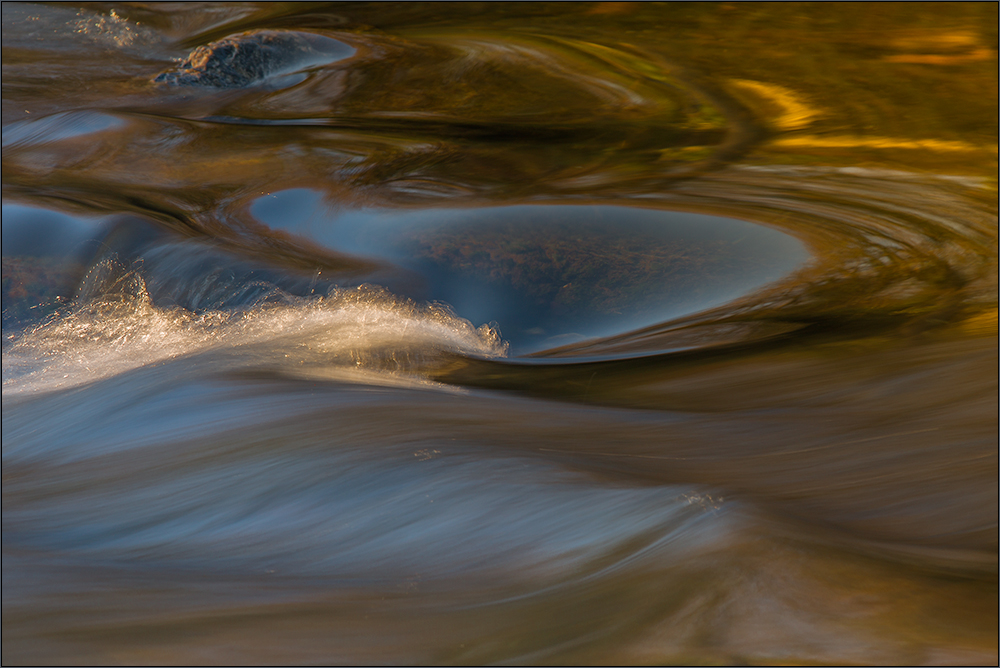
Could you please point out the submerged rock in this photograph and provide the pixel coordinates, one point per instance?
(242, 60)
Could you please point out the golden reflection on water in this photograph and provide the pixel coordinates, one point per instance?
(816, 462)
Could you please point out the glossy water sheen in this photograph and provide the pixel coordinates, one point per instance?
(602, 333)
(552, 275)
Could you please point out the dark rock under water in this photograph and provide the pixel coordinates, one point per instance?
(240, 60)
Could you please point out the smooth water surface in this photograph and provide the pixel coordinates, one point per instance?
(571, 333)
(552, 275)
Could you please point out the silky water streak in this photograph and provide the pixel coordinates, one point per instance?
(598, 333)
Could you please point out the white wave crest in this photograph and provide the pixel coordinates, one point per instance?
(365, 328)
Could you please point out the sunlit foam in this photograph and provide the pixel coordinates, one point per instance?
(360, 328)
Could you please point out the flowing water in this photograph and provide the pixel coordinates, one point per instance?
(476, 333)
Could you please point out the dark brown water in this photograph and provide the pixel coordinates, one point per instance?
(602, 333)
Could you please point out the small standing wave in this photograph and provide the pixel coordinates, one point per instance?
(128, 316)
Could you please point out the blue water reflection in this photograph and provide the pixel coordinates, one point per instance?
(552, 275)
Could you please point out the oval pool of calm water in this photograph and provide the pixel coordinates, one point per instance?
(550, 275)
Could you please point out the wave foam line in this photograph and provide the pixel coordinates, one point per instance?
(364, 327)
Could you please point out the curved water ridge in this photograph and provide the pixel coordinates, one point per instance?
(552, 275)
(117, 327)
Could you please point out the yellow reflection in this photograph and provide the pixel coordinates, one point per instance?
(794, 115)
(939, 48)
(938, 59)
(842, 141)
(916, 40)
(982, 324)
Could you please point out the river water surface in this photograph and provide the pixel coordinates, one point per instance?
(602, 333)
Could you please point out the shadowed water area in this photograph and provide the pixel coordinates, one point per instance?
(599, 333)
